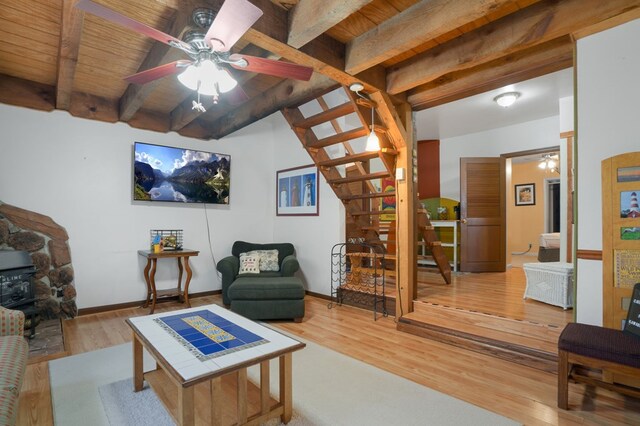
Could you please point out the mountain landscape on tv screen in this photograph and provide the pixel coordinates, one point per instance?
(180, 175)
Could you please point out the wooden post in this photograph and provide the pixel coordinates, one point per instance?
(399, 123)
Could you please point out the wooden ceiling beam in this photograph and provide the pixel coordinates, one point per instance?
(310, 18)
(420, 23)
(70, 34)
(25, 93)
(284, 94)
(537, 24)
(160, 53)
(93, 107)
(519, 66)
(324, 54)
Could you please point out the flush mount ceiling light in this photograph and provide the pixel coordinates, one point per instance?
(506, 99)
(373, 142)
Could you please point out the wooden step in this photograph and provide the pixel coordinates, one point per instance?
(377, 175)
(324, 116)
(338, 138)
(522, 342)
(362, 156)
(369, 195)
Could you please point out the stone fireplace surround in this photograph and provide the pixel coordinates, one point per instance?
(47, 243)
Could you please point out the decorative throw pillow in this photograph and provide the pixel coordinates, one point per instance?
(268, 259)
(249, 264)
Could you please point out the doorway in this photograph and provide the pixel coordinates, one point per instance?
(552, 205)
(501, 293)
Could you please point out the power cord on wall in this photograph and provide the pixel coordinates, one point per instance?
(519, 253)
(215, 263)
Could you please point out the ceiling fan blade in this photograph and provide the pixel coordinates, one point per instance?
(236, 96)
(125, 21)
(272, 67)
(232, 21)
(157, 72)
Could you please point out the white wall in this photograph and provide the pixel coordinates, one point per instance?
(313, 236)
(79, 172)
(608, 67)
(519, 137)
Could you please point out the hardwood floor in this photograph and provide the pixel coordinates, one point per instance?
(494, 293)
(523, 394)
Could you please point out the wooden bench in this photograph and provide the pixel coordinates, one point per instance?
(596, 348)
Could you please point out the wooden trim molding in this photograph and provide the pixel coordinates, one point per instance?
(566, 135)
(589, 254)
(106, 308)
(319, 295)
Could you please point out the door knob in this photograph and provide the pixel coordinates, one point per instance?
(463, 220)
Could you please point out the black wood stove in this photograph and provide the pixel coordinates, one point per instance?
(16, 284)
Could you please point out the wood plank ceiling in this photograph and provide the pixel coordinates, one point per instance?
(426, 52)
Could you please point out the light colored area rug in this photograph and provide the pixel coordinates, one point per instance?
(127, 408)
(328, 389)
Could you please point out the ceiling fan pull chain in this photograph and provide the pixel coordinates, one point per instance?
(197, 105)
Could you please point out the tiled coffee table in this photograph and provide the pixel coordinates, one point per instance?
(205, 343)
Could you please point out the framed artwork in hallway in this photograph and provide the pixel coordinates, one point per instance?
(526, 194)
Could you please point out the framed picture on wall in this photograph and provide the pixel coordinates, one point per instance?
(297, 191)
(526, 194)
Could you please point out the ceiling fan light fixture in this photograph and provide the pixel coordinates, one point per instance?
(507, 99)
(226, 83)
(190, 77)
(548, 162)
(207, 78)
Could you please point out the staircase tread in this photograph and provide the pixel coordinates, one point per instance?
(338, 138)
(350, 158)
(324, 116)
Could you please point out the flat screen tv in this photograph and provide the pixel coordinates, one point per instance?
(163, 173)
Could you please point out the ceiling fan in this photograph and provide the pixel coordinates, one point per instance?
(210, 53)
(549, 162)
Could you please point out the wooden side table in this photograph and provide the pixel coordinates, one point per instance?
(150, 272)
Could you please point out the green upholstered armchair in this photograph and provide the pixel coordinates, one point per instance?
(230, 265)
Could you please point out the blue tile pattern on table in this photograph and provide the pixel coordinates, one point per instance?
(207, 335)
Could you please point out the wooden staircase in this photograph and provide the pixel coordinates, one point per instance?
(430, 238)
(349, 175)
(353, 174)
